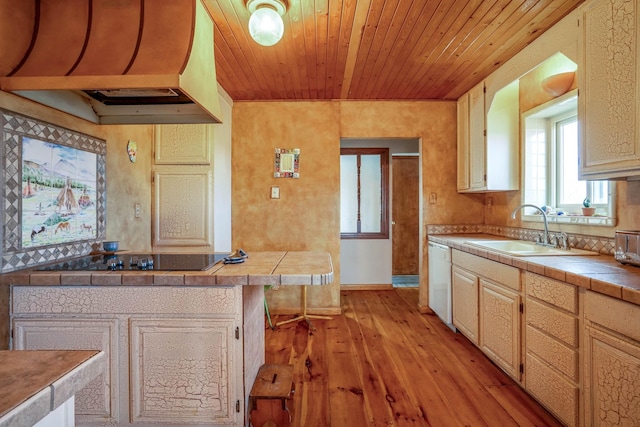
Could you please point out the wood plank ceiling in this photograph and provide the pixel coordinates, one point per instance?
(376, 49)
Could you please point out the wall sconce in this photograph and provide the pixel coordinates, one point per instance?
(265, 25)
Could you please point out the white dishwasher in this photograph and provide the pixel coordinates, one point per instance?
(440, 282)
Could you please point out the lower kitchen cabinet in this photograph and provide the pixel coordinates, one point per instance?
(175, 354)
(612, 361)
(96, 402)
(464, 289)
(576, 351)
(500, 326)
(486, 308)
(552, 357)
(181, 370)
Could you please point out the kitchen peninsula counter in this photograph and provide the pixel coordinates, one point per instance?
(182, 347)
(599, 273)
(260, 268)
(33, 384)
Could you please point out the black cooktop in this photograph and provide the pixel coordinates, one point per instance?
(142, 261)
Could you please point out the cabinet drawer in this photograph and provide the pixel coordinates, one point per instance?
(556, 354)
(554, 322)
(218, 300)
(556, 393)
(554, 292)
(494, 271)
(612, 313)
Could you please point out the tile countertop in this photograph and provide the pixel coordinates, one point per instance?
(260, 268)
(34, 383)
(601, 273)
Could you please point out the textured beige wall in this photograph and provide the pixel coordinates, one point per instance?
(127, 184)
(434, 122)
(307, 216)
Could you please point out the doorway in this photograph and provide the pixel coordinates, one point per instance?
(367, 263)
(405, 208)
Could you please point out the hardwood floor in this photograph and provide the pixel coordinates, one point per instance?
(382, 363)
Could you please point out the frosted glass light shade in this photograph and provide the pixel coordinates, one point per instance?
(266, 26)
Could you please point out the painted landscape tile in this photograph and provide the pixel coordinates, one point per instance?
(58, 194)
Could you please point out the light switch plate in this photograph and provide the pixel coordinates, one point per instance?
(275, 192)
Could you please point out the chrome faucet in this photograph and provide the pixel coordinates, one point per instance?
(545, 236)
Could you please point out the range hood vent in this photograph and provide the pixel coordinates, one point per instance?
(115, 62)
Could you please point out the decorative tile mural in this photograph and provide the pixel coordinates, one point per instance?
(54, 203)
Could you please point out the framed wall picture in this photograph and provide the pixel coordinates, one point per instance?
(287, 163)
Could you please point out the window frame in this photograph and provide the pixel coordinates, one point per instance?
(551, 181)
(384, 192)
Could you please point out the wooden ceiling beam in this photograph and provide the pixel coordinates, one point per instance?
(357, 30)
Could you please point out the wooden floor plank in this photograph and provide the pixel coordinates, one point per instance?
(382, 363)
(461, 387)
(373, 387)
(346, 398)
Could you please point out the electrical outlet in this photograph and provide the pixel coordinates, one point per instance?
(275, 192)
(137, 210)
(433, 198)
(489, 202)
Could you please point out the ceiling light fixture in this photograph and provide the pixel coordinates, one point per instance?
(265, 25)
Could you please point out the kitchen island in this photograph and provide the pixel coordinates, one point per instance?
(183, 347)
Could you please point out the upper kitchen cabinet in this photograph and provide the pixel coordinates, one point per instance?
(183, 187)
(609, 90)
(183, 144)
(488, 140)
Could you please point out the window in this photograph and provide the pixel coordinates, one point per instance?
(551, 163)
(570, 192)
(364, 193)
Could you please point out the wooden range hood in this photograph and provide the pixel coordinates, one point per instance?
(113, 61)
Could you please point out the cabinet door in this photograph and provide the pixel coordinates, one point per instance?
(182, 214)
(500, 326)
(463, 142)
(477, 146)
(609, 90)
(183, 371)
(183, 144)
(612, 380)
(464, 286)
(97, 401)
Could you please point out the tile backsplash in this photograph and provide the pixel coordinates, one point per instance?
(598, 244)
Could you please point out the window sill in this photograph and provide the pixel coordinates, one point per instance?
(602, 221)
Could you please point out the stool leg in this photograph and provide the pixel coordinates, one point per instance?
(266, 309)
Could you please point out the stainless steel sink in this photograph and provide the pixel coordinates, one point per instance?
(524, 248)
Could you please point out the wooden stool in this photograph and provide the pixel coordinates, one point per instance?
(268, 398)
